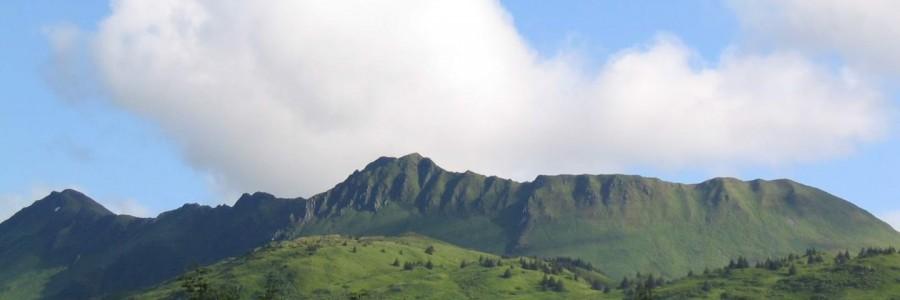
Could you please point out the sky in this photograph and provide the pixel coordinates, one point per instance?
(146, 105)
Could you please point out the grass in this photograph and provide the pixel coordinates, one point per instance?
(875, 277)
(337, 267)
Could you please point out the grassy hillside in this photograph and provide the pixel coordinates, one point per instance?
(334, 267)
(66, 246)
(874, 276)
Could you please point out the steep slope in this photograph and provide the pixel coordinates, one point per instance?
(66, 246)
(334, 267)
(622, 223)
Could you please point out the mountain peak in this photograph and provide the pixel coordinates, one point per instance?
(67, 204)
(409, 159)
(71, 201)
(252, 200)
(415, 157)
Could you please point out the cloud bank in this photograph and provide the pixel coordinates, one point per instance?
(291, 96)
(865, 33)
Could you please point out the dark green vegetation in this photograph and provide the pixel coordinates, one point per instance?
(813, 275)
(620, 224)
(66, 246)
(326, 267)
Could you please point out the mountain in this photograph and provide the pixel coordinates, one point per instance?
(335, 267)
(66, 246)
(621, 223)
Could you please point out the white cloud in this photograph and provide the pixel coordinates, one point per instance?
(892, 218)
(865, 33)
(128, 207)
(290, 96)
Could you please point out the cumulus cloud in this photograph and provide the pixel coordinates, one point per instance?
(865, 33)
(130, 207)
(69, 71)
(291, 96)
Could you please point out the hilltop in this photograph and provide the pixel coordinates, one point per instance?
(406, 267)
(68, 246)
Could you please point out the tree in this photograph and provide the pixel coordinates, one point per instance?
(353, 250)
(507, 273)
(429, 250)
(272, 287)
(463, 264)
(840, 259)
(792, 270)
(706, 286)
(559, 287)
(195, 285)
(408, 266)
(625, 284)
(597, 285)
(429, 265)
(396, 263)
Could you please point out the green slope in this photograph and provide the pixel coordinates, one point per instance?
(334, 267)
(871, 277)
(66, 246)
(621, 223)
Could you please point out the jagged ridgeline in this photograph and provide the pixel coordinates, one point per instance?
(67, 246)
(621, 223)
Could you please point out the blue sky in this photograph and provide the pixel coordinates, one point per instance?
(138, 163)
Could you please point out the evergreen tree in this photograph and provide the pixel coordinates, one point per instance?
(625, 284)
(507, 273)
(429, 265)
(792, 270)
(597, 285)
(195, 285)
(559, 286)
(396, 263)
(429, 250)
(462, 264)
(272, 287)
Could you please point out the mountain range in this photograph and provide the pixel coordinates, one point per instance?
(67, 246)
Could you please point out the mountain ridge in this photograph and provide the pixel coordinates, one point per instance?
(621, 223)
